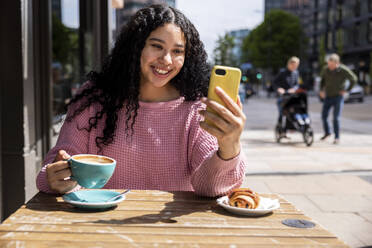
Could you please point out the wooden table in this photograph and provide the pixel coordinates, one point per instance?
(156, 219)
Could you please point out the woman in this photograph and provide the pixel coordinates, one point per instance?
(145, 109)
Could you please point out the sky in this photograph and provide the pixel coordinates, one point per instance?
(70, 13)
(213, 18)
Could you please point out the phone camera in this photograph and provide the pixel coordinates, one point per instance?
(220, 72)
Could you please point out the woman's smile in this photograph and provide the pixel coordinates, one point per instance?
(161, 73)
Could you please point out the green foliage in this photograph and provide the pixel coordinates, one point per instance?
(65, 42)
(276, 39)
(223, 52)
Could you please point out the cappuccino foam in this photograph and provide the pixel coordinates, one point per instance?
(93, 159)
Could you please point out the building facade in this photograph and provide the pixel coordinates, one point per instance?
(50, 46)
(341, 26)
(273, 4)
(239, 36)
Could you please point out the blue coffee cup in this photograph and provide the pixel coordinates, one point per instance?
(91, 171)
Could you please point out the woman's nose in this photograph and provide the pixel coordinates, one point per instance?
(167, 58)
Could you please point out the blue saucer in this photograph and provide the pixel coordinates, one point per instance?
(94, 199)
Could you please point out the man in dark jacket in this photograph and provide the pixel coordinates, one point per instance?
(332, 90)
(286, 82)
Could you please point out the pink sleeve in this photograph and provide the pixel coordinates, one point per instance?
(73, 138)
(211, 175)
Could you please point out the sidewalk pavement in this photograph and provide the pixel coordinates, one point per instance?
(330, 183)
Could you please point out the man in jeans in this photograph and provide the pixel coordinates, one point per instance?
(332, 90)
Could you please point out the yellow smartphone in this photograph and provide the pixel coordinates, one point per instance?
(227, 78)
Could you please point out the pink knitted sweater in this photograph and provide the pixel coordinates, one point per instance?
(167, 151)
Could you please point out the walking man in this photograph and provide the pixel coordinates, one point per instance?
(332, 90)
(286, 82)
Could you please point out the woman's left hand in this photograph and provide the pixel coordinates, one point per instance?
(228, 123)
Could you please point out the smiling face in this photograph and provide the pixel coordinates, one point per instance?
(161, 60)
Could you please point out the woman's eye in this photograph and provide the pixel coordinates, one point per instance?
(157, 46)
(178, 51)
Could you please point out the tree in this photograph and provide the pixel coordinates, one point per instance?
(223, 52)
(64, 43)
(276, 39)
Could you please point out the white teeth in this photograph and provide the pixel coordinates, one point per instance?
(161, 71)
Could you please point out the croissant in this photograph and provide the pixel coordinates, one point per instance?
(244, 198)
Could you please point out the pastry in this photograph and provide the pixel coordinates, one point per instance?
(244, 198)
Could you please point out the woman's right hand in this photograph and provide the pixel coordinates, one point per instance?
(58, 171)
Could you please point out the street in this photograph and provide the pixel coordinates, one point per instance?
(330, 183)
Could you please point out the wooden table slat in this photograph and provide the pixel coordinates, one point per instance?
(150, 218)
(230, 231)
(149, 238)
(79, 244)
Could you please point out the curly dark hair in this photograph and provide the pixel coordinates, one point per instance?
(118, 83)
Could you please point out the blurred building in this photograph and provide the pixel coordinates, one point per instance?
(274, 4)
(132, 6)
(239, 36)
(341, 26)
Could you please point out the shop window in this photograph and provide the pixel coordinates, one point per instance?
(65, 48)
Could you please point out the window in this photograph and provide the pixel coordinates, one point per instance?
(330, 40)
(65, 44)
(369, 33)
(339, 12)
(356, 34)
(347, 10)
(348, 37)
(363, 33)
(340, 39)
(364, 8)
(330, 17)
(357, 8)
(321, 20)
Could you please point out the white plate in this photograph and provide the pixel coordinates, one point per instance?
(266, 206)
